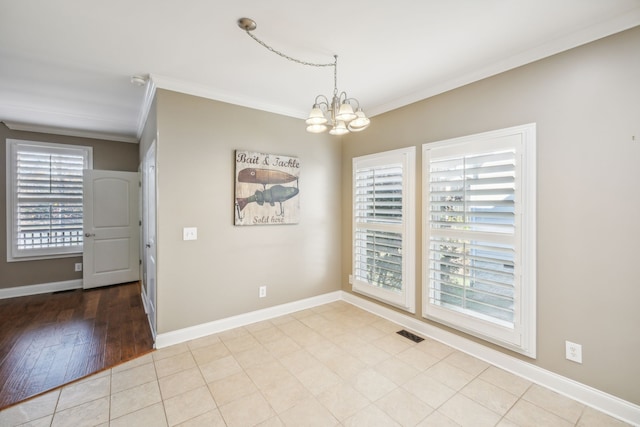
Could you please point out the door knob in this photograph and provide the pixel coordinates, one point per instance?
(89, 234)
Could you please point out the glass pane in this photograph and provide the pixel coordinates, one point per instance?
(473, 193)
(473, 277)
(378, 194)
(44, 174)
(45, 225)
(379, 258)
(49, 193)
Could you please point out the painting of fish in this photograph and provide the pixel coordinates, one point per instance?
(265, 176)
(267, 189)
(272, 195)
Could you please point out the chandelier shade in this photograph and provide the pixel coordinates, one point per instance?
(340, 128)
(316, 116)
(338, 115)
(317, 128)
(346, 113)
(360, 123)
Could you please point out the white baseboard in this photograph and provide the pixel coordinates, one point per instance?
(42, 288)
(198, 331)
(604, 402)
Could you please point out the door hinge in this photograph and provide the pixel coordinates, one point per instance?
(139, 262)
(139, 222)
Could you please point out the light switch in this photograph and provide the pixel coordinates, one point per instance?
(190, 233)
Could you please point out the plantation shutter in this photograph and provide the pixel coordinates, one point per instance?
(472, 233)
(378, 213)
(47, 199)
(383, 223)
(479, 243)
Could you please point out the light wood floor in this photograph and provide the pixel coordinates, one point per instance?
(49, 340)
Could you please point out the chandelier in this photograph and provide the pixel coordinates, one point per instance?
(340, 114)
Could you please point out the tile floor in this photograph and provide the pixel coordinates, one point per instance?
(333, 365)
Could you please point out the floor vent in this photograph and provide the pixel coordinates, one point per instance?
(412, 337)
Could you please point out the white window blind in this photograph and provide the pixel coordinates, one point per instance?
(45, 198)
(477, 213)
(383, 217)
(472, 241)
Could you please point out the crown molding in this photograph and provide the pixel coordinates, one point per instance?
(32, 127)
(195, 89)
(561, 44)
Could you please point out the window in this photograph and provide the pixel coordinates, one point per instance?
(479, 235)
(44, 199)
(384, 227)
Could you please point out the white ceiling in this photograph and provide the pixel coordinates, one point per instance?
(67, 64)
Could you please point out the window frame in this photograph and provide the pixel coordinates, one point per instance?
(406, 157)
(522, 337)
(13, 146)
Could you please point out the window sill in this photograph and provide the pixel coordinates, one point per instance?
(43, 257)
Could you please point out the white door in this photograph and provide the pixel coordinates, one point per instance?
(111, 236)
(149, 234)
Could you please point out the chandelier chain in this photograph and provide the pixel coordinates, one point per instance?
(336, 113)
(335, 75)
(277, 52)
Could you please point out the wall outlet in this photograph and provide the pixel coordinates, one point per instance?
(78, 266)
(263, 291)
(190, 233)
(351, 279)
(573, 351)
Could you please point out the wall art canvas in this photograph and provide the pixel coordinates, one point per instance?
(267, 190)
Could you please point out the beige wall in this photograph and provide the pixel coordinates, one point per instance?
(218, 275)
(586, 103)
(107, 155)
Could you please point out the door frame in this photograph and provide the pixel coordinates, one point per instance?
(149, 299)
